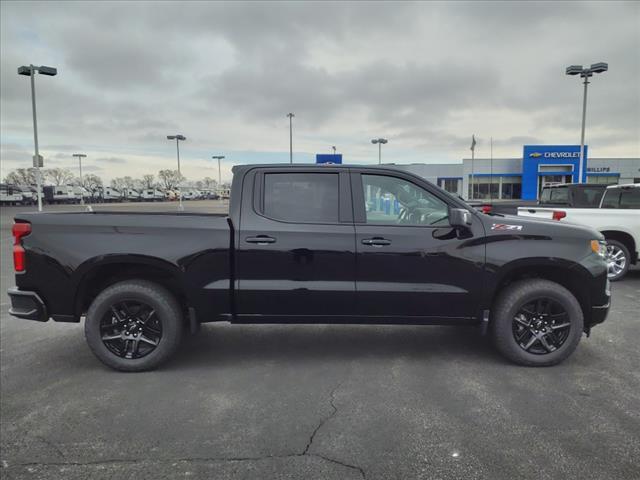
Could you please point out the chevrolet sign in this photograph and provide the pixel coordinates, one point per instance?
(555, 155)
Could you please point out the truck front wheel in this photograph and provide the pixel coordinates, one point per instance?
(134, 325)
(618, 259)
(536, 323)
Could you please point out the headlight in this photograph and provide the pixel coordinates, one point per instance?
(599, 247)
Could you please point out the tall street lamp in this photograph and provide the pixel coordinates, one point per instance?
(380, 142)
(177, 138)
(290, 115)
(333, 147)
(80, 156)
(219, 157)
(585, 73)
(30, 71)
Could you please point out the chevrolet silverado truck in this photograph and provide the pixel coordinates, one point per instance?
(616, 216)
(311, 244)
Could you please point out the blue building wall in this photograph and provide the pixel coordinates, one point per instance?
(535, 156)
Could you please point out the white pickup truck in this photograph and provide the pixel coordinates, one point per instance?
(617, 218)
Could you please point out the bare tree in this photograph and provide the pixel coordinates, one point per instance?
(170, 179)
(22, 177)
(129, 182)
(92, 182)
(59, 176)
(118, 184)
(148, 181)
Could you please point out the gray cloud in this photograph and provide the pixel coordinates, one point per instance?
(426, 75)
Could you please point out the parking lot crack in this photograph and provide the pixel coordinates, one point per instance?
(338, 462)
(324, 420)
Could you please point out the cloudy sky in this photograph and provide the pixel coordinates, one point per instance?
(424, 75)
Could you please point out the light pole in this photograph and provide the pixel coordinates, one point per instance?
(219, 157)
(290, 115)
(380, 142)
(80, 157)
(30, 71)
(177, 138)
(333, 147)
(585, 73)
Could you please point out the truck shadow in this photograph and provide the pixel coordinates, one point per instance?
(218, 344)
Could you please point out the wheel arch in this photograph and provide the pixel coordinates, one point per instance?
(624, 238)
(572, 276)
(97, 274)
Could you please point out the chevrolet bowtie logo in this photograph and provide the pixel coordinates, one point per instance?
(535, 154)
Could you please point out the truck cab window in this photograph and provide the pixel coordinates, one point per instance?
(302, 197)
(394, 201)
(630, 198)
(611, 198)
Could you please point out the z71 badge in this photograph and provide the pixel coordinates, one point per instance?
(504, 226)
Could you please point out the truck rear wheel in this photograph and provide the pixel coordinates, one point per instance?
(134, 325)
(537, 323)
(618, 259)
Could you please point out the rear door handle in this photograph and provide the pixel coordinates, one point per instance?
(260, 239)
(376, 241)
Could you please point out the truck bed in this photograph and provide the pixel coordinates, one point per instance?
(63, 247)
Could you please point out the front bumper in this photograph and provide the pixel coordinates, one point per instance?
(27, 305)
(599, 312)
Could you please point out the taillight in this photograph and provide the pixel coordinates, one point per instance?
(486, 208)
(559, 214)
(19, 230)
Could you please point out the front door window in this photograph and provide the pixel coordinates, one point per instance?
(394, 201)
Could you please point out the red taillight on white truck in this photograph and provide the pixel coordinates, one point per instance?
(559, 214)
(19, 230)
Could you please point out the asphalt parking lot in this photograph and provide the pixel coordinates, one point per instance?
(319, 402)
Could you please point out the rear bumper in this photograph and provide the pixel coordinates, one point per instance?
(27, 305)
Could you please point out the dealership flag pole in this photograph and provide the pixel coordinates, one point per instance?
(491, 170)
(473, 151)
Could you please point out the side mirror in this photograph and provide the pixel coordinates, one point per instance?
(459, 217)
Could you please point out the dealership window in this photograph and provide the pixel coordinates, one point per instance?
(602, 179)
(301, 197)
(511, 187)
(450, 185)
(486, 188)
(481, 188)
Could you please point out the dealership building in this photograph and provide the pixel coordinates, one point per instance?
(523, 177)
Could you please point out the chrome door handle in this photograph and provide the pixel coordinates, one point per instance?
(260, 239)
(376, 241)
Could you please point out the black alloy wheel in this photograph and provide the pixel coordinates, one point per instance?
(536, 322)
(131, 329)
(541, 326)
(134, 325)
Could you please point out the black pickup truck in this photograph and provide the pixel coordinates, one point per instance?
(311, 244)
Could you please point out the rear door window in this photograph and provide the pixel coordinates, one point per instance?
(302, 197)
(630, 197)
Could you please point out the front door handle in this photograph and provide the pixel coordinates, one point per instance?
(376, 241)
(260, 239)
